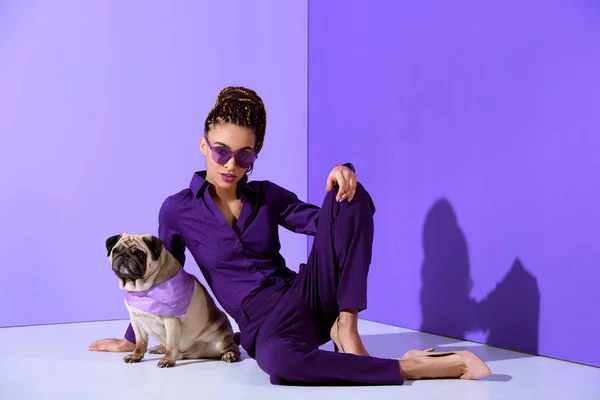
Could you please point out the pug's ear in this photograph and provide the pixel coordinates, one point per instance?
(111, 242)
(155, 245)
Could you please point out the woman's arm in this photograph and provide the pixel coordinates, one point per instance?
(168, 232)
(296, 215)
(301, 217)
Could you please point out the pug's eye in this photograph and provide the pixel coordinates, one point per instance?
(139, 253)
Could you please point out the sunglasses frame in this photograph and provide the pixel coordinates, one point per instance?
(231, 153)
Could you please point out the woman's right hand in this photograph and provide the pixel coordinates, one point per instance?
(116, 345)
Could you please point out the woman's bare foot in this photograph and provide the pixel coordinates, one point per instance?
(117, 345)
(344, 334)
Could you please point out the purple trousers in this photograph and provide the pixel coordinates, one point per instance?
(284, 325)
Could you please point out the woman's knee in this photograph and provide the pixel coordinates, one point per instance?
(361, 203)
(361, 193)
(361, 197)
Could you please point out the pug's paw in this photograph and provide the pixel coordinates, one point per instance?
(160, 349)
(166, 363)
(229, 357)
(131, 358)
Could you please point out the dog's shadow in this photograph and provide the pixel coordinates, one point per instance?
(153, 357)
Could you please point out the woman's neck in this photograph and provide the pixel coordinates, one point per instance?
(219, 194)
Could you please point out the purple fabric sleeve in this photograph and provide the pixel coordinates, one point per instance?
(130, 334)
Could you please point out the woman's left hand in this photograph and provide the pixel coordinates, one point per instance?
(346, 179)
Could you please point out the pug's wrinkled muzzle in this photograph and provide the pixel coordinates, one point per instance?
(127, 268)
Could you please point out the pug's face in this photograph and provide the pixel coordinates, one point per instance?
(134, 259)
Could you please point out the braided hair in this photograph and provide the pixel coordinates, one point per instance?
(242, 107)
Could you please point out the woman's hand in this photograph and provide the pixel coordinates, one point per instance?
(346, 179)
(118, 345)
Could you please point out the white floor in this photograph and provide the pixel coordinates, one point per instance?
(52, 362)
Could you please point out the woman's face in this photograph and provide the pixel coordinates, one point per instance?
(229, 153)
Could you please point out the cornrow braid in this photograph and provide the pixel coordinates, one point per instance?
(240, 106)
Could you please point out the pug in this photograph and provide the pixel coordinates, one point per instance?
(167, 303)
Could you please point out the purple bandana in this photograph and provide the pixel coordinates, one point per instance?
(170, 298)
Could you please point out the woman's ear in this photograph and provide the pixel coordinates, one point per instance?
(203, 146)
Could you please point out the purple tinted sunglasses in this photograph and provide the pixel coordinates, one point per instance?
(221, 155)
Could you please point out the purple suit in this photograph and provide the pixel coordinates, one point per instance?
(283, 316)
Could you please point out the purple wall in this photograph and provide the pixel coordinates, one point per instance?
(475, 126)
(102, 107)
(471, 124)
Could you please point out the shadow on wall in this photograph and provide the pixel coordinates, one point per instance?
(509, 314)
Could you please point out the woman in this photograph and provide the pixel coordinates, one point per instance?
(230, 226)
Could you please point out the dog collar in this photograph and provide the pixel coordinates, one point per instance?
(170, 298)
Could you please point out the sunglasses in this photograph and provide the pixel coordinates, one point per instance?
(221, 155)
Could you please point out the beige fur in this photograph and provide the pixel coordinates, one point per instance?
(204, 332)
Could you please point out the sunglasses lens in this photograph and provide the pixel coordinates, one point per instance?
(244, 159)
(220, 155)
